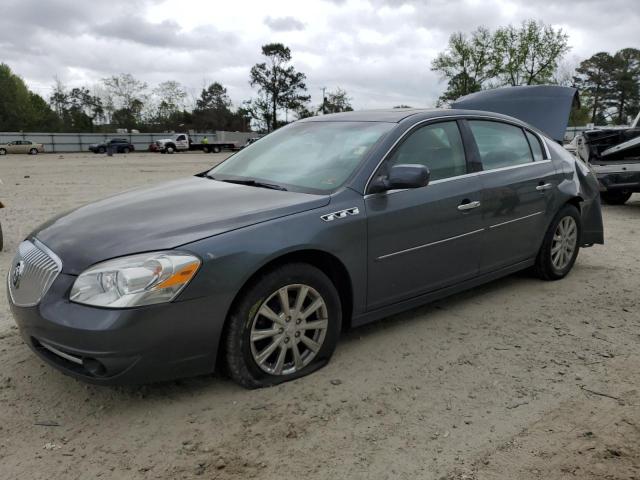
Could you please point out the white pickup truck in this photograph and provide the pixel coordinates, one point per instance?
(181, 142)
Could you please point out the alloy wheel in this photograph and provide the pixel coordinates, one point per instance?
(565, 240)
(288, 329)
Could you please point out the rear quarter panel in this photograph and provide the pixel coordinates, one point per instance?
(580, 183)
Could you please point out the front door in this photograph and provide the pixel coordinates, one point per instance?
(426, 238)
(518, 186)
(182, 143)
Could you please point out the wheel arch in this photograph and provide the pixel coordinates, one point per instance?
(576, 201)
(324, 261)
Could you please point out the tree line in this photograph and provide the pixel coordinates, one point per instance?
(122, 101)
(531, 53)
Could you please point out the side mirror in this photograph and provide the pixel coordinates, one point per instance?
(401, 176)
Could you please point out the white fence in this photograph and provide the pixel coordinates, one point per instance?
(79, 142)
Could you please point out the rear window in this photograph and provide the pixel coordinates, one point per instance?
(500, 144)
(536, 148)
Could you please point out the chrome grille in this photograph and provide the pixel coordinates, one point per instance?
(32, 272)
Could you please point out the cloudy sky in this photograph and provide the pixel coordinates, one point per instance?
(378, 50)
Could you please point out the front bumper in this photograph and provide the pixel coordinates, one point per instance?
(128, 346)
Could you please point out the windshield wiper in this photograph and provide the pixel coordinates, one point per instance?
(252, 183)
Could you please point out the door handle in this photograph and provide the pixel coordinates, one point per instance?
(468, 205)
(544, 186)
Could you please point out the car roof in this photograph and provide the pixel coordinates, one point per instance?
(397, 115)
(391, 115)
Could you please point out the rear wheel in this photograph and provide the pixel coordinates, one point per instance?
(285, 325)
(33, 151)
(102, 150)
(615, 197)
(216, 149)
(125, 150)
(3, 151)
(560, 245)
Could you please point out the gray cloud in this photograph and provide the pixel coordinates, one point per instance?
(283, 24)
(378, 50)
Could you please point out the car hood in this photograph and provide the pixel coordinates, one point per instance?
(163, 217)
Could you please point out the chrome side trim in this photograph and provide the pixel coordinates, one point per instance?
(454, 118)
(66, 356)
(515, 220)
(412, 249)
(466, 175)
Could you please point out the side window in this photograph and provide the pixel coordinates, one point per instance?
(180, 138)
(438, 147)
(536, 148)
(500, 145)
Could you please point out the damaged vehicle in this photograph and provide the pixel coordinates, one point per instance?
(614, 155)
(327, 223)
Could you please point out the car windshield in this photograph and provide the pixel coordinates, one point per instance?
(310, 156)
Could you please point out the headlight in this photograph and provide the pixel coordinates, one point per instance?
(137, 280)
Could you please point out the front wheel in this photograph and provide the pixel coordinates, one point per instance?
(616, 197)
(125, 150)
(102, 150)
(560, 245)
(285, 325)
(217, 149)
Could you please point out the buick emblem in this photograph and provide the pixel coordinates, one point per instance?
(16, 274)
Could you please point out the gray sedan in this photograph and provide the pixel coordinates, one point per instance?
(329, 223)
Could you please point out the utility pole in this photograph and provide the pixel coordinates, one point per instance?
(324, 102)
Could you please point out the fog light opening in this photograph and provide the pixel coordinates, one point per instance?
(94, 367)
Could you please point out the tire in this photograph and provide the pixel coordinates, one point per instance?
(205, 149)
(170, 149)
(559, 250)
(102, 150)
(216, 149)
(33, 151)
(616, 197)
(125, 150)
(3, 151)
(242, 356)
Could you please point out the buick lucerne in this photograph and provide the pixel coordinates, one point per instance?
(330, 222)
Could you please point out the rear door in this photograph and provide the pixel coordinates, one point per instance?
(519, 183)
(425, 238)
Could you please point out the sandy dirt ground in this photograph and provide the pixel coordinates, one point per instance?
(518, 379)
